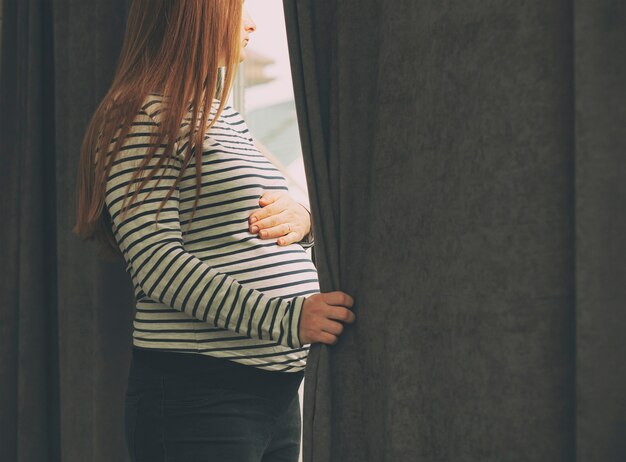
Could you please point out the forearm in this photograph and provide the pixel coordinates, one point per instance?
(176, 278)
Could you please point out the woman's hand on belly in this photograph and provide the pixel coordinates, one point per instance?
(280, 217)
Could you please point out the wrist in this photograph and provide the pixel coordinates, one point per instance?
(308, 237)
(310, 217)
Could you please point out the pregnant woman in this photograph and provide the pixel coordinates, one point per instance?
(227, 299)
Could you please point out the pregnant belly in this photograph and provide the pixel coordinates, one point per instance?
(279, 271)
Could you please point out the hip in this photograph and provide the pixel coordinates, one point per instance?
(198, 407)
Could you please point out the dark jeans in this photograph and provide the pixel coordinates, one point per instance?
(226, 413)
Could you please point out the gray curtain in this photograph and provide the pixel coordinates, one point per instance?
(65, 335)
(465, 162)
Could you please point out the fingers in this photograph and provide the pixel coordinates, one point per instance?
(341, 314)
(267, 223)
(330, 333)
(268, 197)
(333, 327)
(338, 298)
(327, 338)
(271, 204)
(289, 238)
(267, 211)
(282, 232)
(277, 226)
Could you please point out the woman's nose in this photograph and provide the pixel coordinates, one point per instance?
(249, 24)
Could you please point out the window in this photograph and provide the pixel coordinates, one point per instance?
(263, 94)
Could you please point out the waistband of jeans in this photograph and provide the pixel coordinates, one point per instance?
(219, 371)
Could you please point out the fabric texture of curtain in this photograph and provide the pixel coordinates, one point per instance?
(65, 334)
(465, 163)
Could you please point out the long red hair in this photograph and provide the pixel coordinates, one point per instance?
(172, 47)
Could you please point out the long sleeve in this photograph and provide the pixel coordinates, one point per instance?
(167, 273)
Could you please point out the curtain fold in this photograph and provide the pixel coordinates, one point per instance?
(600, 114)
(313, 107)
(28, 386)
(66, 336)
(465, 166)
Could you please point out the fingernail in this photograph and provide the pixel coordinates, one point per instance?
(252, 220)
(254, 229)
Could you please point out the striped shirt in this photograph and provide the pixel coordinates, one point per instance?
(208, 285)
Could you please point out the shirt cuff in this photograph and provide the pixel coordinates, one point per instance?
(293, 338)
(308, 240)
